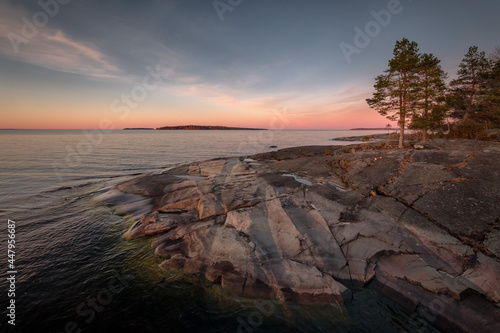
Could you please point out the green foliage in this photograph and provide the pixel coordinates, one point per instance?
(430, 95)
(429, 119)
(413, 88)
(395, 90)
(366, 138)
(489, 112)
(413, 91)
(466, 90)
(475, 94)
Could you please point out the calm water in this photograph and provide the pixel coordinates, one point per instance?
(75, 271)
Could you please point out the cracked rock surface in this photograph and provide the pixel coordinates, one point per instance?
(311, 224)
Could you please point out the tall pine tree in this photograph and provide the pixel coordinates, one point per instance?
(490, 98)
(470, 84)
(430, 93)
(394, 95)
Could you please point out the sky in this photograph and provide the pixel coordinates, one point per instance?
(294, 64)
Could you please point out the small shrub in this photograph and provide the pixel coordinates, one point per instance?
(467, 129)
(366, 138)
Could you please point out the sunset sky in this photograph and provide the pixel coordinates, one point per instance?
(253, 63)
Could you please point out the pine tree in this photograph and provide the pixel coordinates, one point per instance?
(394, 95)
(431, 95)
(490, 98)
(469, 84)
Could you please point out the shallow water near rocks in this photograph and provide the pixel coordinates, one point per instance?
(299, 179)
(76, 271)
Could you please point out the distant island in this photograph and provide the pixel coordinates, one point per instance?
(209, 128)
(373, 129)
(138, 129)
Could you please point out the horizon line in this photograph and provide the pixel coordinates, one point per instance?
(154, 129)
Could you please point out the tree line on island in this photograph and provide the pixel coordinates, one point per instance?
(207, 128)
(413, 91)
(196, 128)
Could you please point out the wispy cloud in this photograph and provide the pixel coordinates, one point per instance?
(51, 48)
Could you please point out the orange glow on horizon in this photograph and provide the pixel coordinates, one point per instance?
(59, 119)
(318, 113)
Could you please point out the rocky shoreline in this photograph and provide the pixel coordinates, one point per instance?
(314, 224)
(391, 137)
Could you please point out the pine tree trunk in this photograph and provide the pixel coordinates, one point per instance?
(426, 110)
(425, 127)
(401, 136)
(402, 114)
